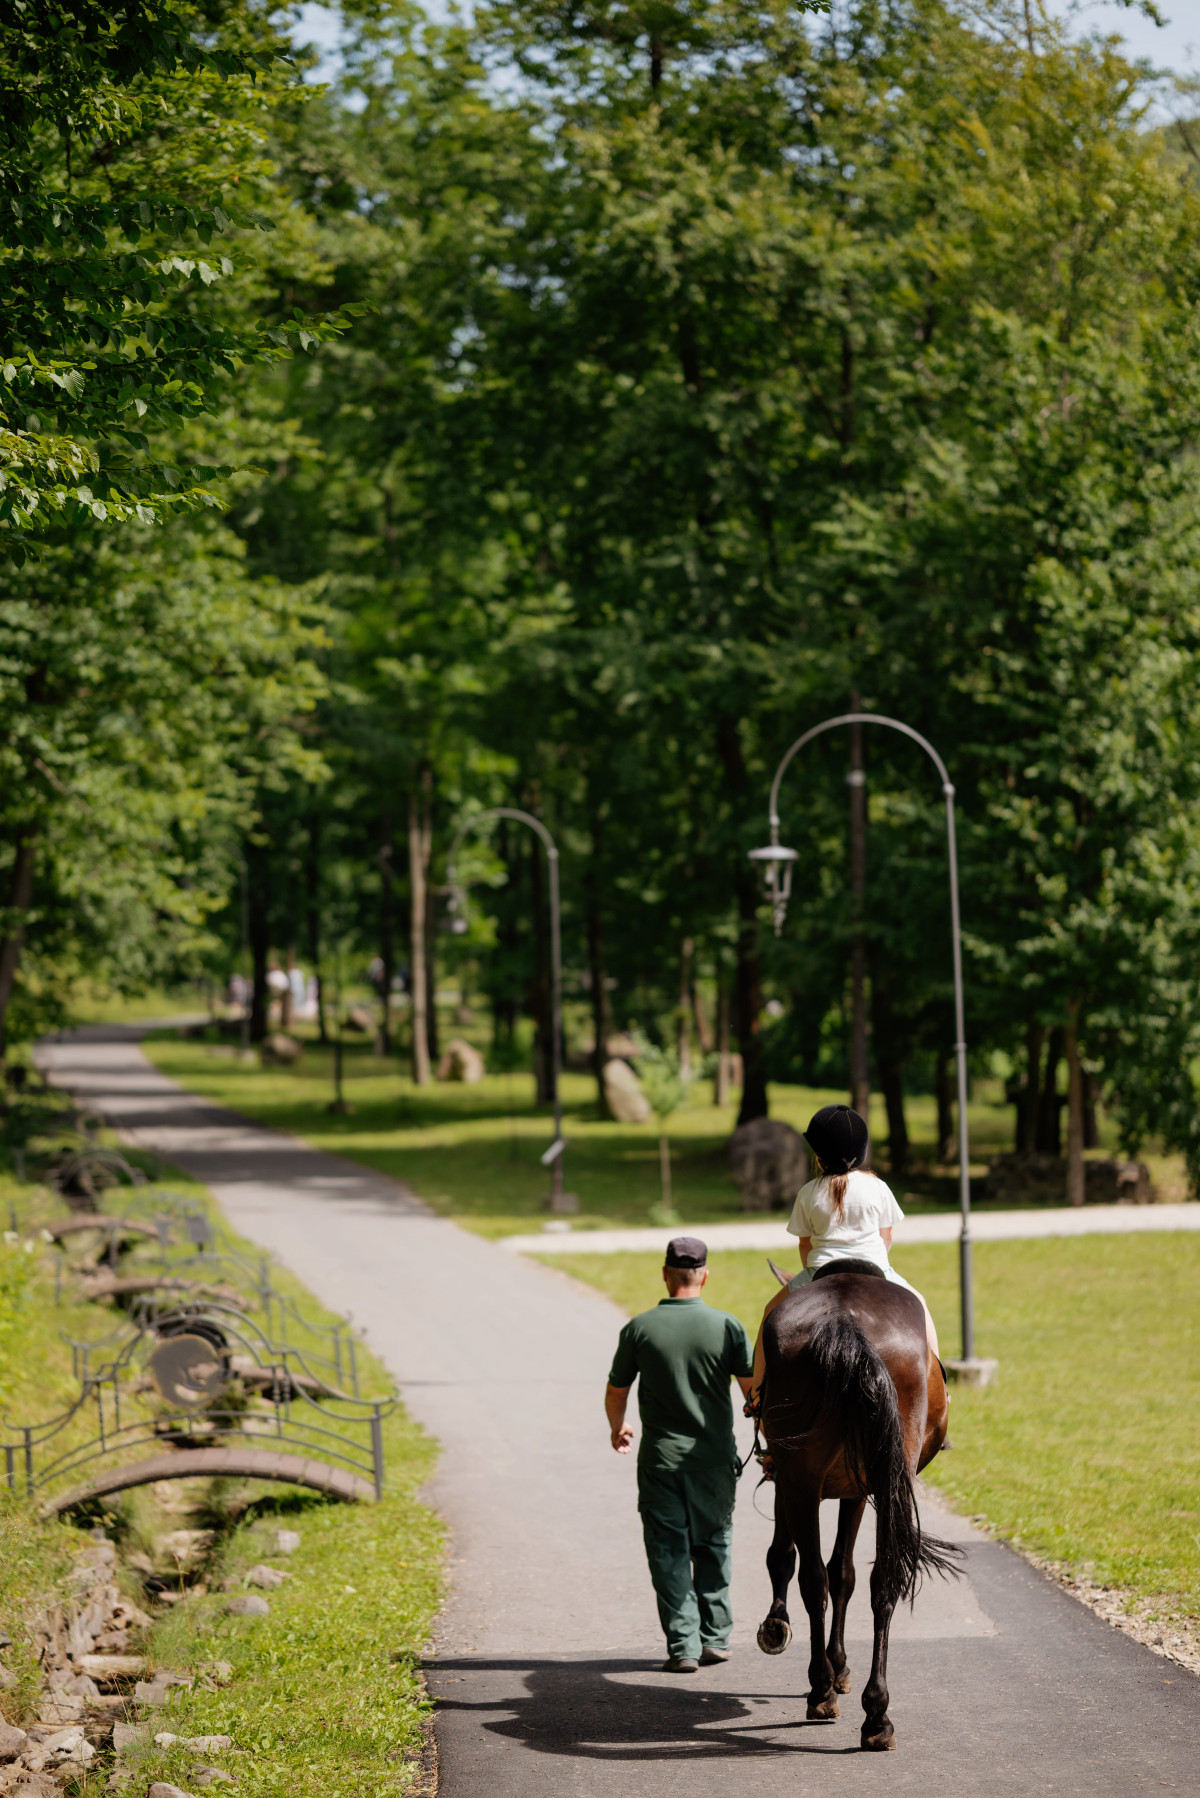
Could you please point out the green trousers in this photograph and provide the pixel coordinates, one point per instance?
(687, 1525)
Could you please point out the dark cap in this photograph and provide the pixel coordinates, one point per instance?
(687, 1251)
(838, 1138)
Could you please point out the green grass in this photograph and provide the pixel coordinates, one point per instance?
(326, 1697)
(472, 1151)
(1086, 1452)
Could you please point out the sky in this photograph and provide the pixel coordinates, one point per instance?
(1176, 45)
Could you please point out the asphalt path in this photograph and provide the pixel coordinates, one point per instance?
(545, 1656)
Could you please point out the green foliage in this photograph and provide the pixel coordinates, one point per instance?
(130, 138)
(663, 1084)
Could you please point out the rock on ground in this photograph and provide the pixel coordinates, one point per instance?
(623, 1094)
(769, 1162)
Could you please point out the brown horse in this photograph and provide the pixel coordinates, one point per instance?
(853, 1405)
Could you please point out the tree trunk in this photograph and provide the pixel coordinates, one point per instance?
(258, 899)
(1027, 1104)
(860, 1079)
(601, 1010)
(504, 1003)
(945, 1114)
(747, 984)
(312, 874)
(1048, 1140)
(431, 1013)
(891, 1070)
(20, 896)
(539, 996)
(1091, 1129)
(285, 999)
(702, 1030)
(683, 1017)
(721, 1076)
(664, 1170)
(747, 1003)
(387, 932)
(1076, 1179)
(419, 807)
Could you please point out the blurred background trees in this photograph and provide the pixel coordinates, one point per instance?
(676, 372)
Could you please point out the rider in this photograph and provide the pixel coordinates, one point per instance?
(846, 1213)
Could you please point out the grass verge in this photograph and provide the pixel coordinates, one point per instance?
(1085, 1454)
(325, 1697)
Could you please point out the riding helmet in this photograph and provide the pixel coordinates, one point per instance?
(837, 1136)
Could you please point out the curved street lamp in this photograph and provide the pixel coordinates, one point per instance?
(777, 862)
(553, 1158)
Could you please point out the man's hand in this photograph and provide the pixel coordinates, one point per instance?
(616, 1398)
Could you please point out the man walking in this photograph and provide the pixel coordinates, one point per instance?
(684, 1354)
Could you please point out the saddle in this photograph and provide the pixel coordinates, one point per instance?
(849, 1264)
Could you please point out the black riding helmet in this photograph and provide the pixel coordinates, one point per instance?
(837, 1137)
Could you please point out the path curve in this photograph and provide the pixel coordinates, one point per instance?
(545, 1652)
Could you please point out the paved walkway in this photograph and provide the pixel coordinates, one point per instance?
(545, 1653)
(942, 1226)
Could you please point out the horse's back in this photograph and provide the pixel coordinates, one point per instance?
(796, 1343)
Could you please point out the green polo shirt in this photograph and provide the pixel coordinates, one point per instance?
(683, 1355)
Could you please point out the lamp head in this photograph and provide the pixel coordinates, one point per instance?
(776, 862)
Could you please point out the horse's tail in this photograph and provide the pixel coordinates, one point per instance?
(850, 1376)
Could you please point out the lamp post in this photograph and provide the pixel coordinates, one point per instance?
(553, 1158)
(777, 862)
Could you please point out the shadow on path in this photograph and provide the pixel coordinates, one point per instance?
(583, 1709)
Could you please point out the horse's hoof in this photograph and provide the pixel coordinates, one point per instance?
(774, 1634)
(881, 1743)
(842, 1682)
(824, 1712)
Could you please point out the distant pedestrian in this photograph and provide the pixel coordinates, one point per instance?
(684, 1355)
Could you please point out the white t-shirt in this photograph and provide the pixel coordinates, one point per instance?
(868, 1207)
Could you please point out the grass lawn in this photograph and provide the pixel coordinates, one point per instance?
(1086, 1452)
(472, 1151)
(326, 1698)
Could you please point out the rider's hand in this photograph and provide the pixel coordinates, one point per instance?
(622, 1439)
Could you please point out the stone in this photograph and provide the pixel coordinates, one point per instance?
(461, 1062)
(208, 1776)
(623, 1094)
(70, 1745)
(128, 1735)
(58, 1708)
(160, 1789)
(769, 1161)
(266, 1576)
(83, 1686)
(12, 1740)
(99, 1554)
(8, 1679)
(360, 1018)
(37, 1785)
(247, 1605)
(155, 1689)
(184, 1547)
(208, 1744)
(282, 1050)
(287, 1541)
(219, 1673)
(109, 1667)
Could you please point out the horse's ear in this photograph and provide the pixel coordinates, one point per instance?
(778, 1272)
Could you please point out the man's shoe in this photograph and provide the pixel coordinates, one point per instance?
(712, 1657)
(680, 1666)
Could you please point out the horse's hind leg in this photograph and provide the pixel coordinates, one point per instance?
(805, 1519)
(775, 1632)
(840, 1571)
(877, 1731)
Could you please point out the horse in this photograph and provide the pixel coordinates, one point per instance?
(853, 1405)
